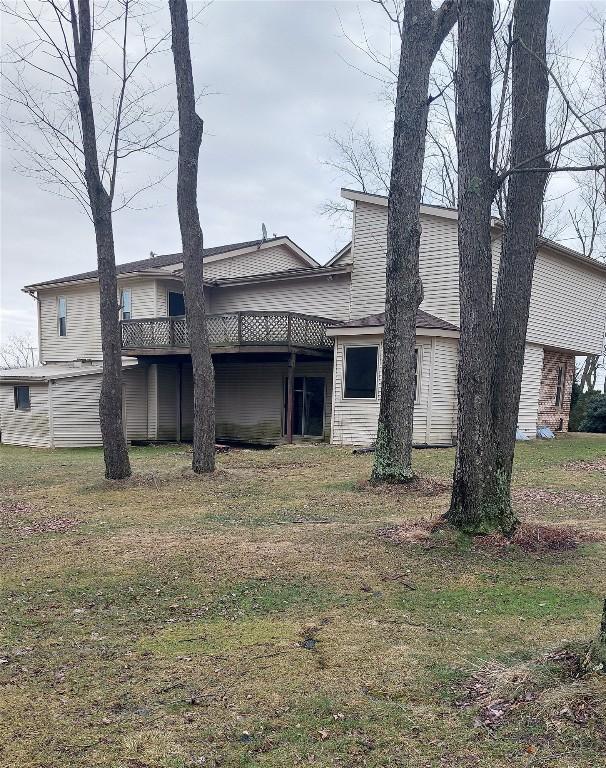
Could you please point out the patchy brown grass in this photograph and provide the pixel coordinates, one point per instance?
(254, 619)
(528, 537)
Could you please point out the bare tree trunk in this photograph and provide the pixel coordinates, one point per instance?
(589, 373)
(190, 139)
(595, 658)
(525, 192)
(423, 31)
(473, 487)
(117, 465)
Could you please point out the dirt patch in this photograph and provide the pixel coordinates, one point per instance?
(528, 498)
(529, 537)
(420, 486)
(532, 537)
(411, 532)
(19, 518)
(586, 465)
(550, 684)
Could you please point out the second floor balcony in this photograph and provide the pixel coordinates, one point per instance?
(229, 332)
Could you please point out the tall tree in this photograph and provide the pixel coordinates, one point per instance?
(423, 30)
(493, 339)
(190, 139)
(472, 492)
(52, 118)
(117, 464)
(524, 200)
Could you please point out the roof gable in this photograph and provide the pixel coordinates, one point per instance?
(161, 262)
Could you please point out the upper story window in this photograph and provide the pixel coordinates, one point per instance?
(560, 384)
(176, 304)
(61, 316)
(21, 395)
(126, 303)
(361, 372)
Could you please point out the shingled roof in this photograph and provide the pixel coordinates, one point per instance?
(156, 262)
(424, 320)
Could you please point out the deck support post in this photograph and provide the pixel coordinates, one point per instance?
(290, 395)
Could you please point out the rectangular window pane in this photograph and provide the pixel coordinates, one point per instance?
(176, 304)
(62, 316)
(126, 303)
(361, 372)
(22, 402)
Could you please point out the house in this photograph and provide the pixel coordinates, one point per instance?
(296, 346)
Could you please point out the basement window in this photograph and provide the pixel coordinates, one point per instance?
(61, 316)
(21, 394)
(361, 372)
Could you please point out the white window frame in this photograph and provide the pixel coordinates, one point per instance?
(379, 348)
(60, 317)
(130, 303)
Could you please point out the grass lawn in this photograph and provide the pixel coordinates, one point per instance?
(255, 617)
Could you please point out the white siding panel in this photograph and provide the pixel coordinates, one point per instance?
(531, 384)
(568, 305)
(318, 296)
(438, 263)
(152, 402)
(250, 398)
(258, 262)
(355, 420)
(135, 402)
(143, 297)
(75, 403)
(83, 339)
(28, 428)
(442, 426)
(167, 402)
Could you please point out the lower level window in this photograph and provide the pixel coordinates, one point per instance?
(361, 372)
(22, 398)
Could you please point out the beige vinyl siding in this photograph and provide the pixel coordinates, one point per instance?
(529, 394)
(143, 297)
(187, 402)
(83, 339)
(249, 398)
(152, 402)
(438, 263)
(135, 402)
(312, 296)
(167, 402)
(354, 421)
(442, 407)
(28, 428)
(276, 259)
(75, 406)
(568, 305)
(162, 289)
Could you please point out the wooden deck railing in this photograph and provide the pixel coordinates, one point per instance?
(231, 329)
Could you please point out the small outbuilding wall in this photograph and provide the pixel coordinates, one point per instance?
(354, 420)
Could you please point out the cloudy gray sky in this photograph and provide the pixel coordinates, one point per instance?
(282, 78)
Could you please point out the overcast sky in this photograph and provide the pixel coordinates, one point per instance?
(283, 79)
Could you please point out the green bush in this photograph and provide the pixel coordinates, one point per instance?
(579, 403)
(595, 415)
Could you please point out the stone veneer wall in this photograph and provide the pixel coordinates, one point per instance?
(551, 415)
